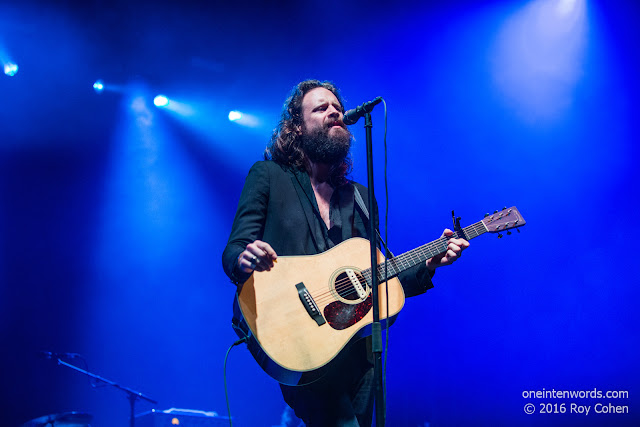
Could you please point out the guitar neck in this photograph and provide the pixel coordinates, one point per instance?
(400, 263)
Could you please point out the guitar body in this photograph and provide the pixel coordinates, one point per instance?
(301, 314)
(289, 340)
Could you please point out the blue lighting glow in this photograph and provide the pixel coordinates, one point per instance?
(114, 212)
(234, 115)
(206, 117)
(98, 86)
(244, 119)
(10, 69)
(160, 101)
(539, 55)
(180, 108)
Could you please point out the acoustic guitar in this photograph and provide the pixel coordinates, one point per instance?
(301, 314)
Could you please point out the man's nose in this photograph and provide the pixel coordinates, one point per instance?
(333, 111)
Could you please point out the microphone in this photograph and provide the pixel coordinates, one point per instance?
(352, 116)
(52, 355)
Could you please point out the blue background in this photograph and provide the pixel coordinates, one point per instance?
(114, 214)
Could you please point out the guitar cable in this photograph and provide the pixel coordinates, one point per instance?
(224, 374)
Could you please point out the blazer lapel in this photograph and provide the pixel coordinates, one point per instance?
(346, 210)
(302, 184)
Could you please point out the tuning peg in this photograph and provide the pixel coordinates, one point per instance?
(508, 233)
(495, 211)
(504, 209)
(486, 215)
(499, 235)
(518, 230)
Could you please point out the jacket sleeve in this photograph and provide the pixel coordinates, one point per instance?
(416, 280)
(248, 224)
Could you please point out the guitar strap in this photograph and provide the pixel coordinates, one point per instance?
(365, 211)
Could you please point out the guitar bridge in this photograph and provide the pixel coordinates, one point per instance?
(310, 304)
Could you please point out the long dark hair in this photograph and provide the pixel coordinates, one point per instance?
(285, 147)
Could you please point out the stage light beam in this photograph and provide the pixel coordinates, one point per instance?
(565, 7)
(244, 119)
(98, 86)
(160, 101)
(10, 69)
(234, 116)
(539, 54)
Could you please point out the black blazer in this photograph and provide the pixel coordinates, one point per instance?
(278, 206)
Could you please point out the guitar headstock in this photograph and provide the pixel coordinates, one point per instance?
(503, 220)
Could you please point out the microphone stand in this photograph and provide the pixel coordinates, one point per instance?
(132, 395)
(376, 328)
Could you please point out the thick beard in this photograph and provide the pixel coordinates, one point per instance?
(322, 148)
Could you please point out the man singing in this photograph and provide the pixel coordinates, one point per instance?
(300, 202)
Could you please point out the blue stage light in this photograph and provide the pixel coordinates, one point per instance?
(160, 101)
(244, 119)
(98, 86)
(539, 55)
(10, 69)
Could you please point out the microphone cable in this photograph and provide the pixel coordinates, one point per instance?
(386, 258)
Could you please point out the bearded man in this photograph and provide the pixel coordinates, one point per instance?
(300, 202)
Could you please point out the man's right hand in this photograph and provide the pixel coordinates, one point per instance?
(258, 256)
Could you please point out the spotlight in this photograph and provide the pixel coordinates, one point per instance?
(565, 7)
(10, 69)
(98, 86)
(540, 54)
(244, 119)
(234, 116)
(160, 101)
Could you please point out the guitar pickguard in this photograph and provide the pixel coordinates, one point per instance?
(340, 315)
(353, 297)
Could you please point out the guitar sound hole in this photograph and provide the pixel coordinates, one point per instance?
(345, 288)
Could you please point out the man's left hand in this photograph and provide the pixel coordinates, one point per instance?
(454, 250)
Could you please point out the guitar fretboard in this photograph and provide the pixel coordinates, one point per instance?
(400, 263)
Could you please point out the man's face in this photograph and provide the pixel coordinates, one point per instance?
(325, 138)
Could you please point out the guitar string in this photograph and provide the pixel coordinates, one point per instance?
(438, 245)
(344, 287)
